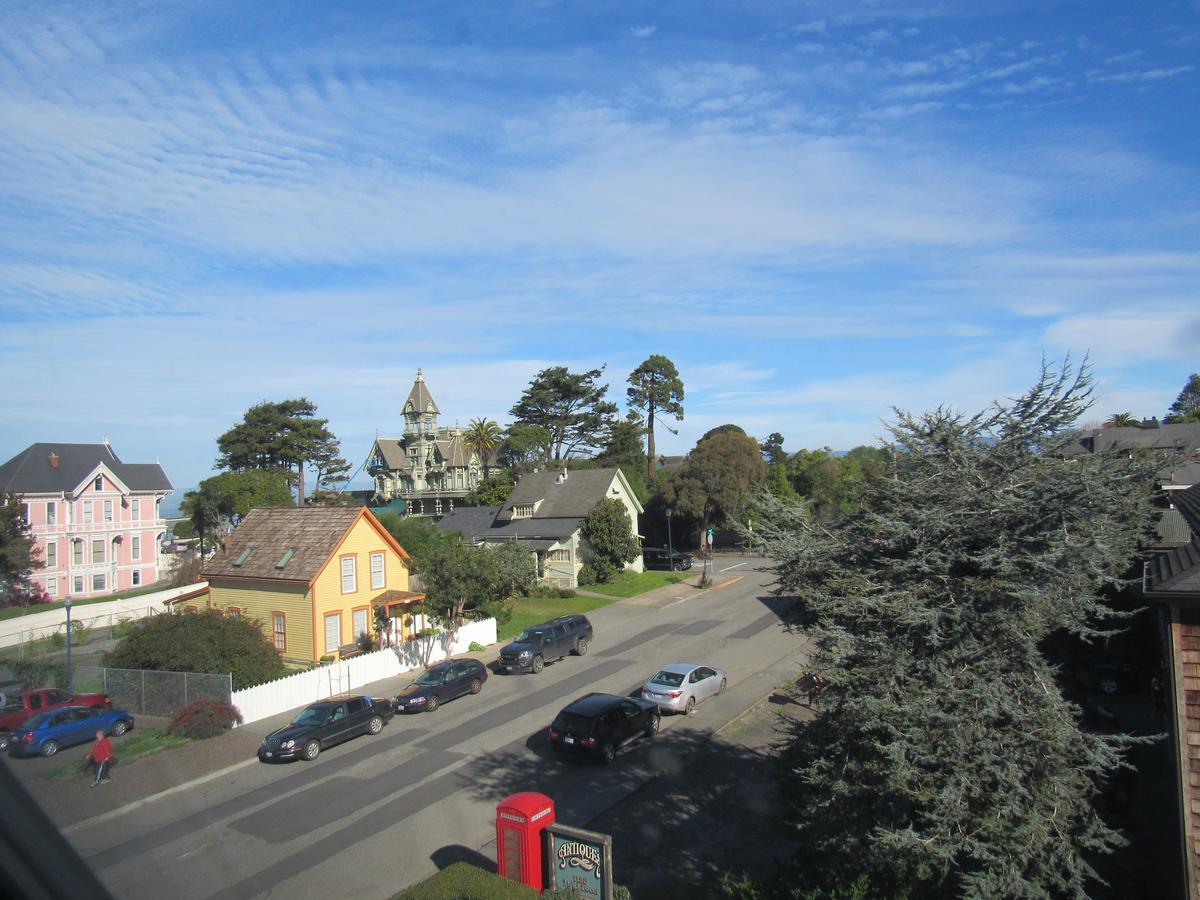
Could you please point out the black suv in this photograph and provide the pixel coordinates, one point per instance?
(324, 724)
(538, 644)
(597, 725)
(662, 558)
(441, 682)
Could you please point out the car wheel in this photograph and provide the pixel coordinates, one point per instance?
(538, 665)
(652, 728)
(721, 687)
(120, 728)
(581, 647)
(3, 741)
(608, 754)
(690, 707)
(434, 703)
(49, 748)
(375, 725)
(677, 567)
(311, 749)
(476, 685)
(1109, 684)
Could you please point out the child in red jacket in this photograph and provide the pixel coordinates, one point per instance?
(101, 754)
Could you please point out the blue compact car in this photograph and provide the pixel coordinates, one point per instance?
(46, 733)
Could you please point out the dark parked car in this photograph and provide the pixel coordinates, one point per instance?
(48, 732)
(597, 725)
(539, 644)
(441, 682)
(324, 724)
(664, 558)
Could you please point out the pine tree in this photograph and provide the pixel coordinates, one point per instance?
(944, 759)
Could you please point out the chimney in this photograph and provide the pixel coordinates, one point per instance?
(53, 460)
(1150, 423)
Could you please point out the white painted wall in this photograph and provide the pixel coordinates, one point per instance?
(37, 625)
(352, 675)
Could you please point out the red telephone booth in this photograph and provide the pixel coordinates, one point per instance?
(521, 821)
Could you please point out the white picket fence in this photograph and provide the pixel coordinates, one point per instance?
(349, 675)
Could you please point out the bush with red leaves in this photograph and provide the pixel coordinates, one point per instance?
(204, 719)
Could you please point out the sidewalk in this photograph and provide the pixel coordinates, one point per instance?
(69, 803)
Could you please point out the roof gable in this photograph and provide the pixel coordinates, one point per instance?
(573, 497)
(291, 544)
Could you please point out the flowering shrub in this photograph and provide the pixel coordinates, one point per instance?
(204, 719)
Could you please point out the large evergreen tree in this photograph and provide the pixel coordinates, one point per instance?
(1186, 407)
(655, 388)
(718, 478)
(569, 405)
(944, 760)
(284, 436)
(19, 556)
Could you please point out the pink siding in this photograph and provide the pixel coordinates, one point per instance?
(69, 526)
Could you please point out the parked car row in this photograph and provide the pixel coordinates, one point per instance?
(48, 732)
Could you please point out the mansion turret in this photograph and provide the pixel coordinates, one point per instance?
(429, 468)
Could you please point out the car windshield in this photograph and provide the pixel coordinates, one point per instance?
(431, 677)
(314, 715)
(531, 637)
(670, 679)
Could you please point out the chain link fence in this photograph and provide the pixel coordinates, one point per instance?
(150, 693)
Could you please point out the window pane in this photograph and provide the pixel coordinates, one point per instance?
(136, 547)
(51, 555)
(108, 510)
(98, 550)
(77, 555)
(78, 584)
(137, 577)
(349, 576)
(97, 582)
(51, 513)
(333, 632)
(377, 574)
(360, 623)
(280, 627)
(87, 512)
(135, 509)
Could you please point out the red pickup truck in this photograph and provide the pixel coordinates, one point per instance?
(20, 706)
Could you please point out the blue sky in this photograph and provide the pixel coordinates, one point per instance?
(818, 210)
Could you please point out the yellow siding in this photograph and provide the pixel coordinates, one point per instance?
(361, 542)
(260, 602)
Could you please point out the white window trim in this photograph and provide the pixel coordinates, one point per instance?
(352, 575)
(135, 510)
(378, 578)
(108, 510)
(135, 548)
(338, 638)
(87, 512)
(51, 512)
(51, 548)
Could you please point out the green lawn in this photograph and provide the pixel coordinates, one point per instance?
(139, 742)
(630, 584)
(15, 612)
(535, 610)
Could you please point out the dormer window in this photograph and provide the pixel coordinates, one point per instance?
(99, 483)
(522, 511)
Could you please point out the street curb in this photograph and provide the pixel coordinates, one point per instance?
(174, 789)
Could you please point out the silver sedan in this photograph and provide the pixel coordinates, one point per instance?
(679, 687)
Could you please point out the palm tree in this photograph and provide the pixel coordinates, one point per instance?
(1121, 420)
(481, 437)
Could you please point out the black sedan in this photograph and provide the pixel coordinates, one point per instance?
(598, 725)
(441, 682)
(324, 724)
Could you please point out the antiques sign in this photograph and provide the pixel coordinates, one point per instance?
(579, 860)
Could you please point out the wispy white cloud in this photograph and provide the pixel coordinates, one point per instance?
(642, 31)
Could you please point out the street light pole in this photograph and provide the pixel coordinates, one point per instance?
(670, 545)
(70, 671)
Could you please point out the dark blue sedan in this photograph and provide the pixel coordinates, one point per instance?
(46, 733)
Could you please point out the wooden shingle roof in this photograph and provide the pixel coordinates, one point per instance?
(287, 544)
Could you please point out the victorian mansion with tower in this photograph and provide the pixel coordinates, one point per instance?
(429, 468)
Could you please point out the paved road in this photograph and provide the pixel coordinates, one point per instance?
(376, 814)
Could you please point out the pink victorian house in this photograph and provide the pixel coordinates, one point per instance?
(96, 519)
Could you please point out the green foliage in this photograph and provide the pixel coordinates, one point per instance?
(655, 388)
(611, 538)
(37, 673)
(512, 570)
(524, 448)
(475, 647)
(722, 429)
(944, 760)
(18, 556)
(587, 575)
(718, 478)
(1122, 420)
(550, 591)
(492, 491)
(772, 449)
(418, 535)
(1186, 407)
(199, 642)
(284, 436)
(835, 486)
(778, 483)
(228, 497)
(482, 437)
(571, 407)
(205, 718)
(630, 584)
(461, 584)
(462, 881)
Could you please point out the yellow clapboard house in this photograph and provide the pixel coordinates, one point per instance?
(312, 577)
